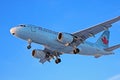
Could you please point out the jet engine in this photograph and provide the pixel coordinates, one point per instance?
(40, 54)
(65, 38)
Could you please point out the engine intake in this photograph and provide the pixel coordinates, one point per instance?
(65, 38)
(33, 53)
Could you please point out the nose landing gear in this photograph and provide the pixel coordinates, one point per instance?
(29, 46)
(29, 43)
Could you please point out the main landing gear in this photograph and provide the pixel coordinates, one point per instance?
(76, 50)
(57, 55)
(29, 43)
(58, 60)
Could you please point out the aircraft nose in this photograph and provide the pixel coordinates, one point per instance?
(12, 31)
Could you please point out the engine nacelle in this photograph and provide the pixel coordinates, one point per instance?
(38, 53)
(65, 38)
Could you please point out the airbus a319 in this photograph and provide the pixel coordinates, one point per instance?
(58, 43)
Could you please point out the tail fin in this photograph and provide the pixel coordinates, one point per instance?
(103, 41)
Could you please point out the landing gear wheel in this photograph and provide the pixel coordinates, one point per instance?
(29, 46)
(75, 51)
(57, 60)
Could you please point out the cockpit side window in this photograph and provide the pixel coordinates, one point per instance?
(22, 25)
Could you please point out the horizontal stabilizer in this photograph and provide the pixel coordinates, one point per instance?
(112, 48)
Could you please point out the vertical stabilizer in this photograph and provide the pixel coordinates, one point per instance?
(103, 41)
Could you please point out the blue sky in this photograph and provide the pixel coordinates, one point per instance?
(16, 62)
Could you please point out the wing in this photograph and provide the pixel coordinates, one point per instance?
(81, 36)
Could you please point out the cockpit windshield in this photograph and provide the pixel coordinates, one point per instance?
(22, 25)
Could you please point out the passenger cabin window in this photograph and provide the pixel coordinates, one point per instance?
(22, 25)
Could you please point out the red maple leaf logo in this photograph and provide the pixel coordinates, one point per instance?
(104, 40)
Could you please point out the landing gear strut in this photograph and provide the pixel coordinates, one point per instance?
(29, 43)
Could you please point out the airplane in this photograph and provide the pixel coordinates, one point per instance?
(58, 43)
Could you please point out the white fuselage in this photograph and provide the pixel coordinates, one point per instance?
(48, 38)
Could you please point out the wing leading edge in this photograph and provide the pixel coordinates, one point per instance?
(89, 32)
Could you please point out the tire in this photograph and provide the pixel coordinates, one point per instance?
(75, 51)
(28, 47)
(57, 61)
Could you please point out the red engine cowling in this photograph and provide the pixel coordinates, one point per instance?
(65, 38)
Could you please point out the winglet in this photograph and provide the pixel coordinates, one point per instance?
(112, 20)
